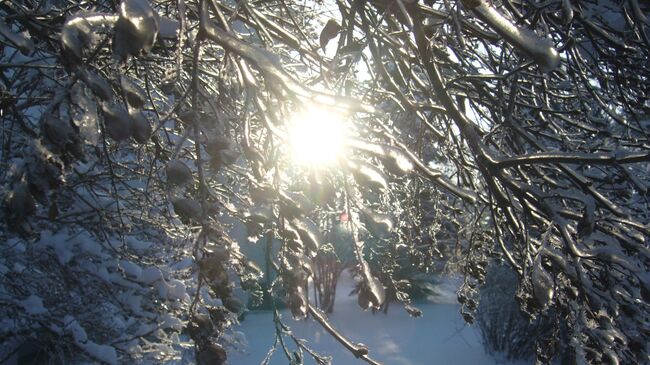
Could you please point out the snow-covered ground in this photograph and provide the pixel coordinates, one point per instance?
(439, 337)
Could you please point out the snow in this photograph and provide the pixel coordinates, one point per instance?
(33, 305)
(131, 268)
(150, 275)
(183, 264)
(103, 353)
(138, 245)
(440, 336)
(172, 322)
(78, 333)
(172, 289)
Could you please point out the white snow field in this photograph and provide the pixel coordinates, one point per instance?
(439, 337)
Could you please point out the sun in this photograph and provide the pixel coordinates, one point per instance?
(317, 136)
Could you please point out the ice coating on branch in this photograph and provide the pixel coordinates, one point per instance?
(86, 117)
(543, 290)
(380, 225)
(369, 176)
(136, 29)
(539, 49)
(309, 233)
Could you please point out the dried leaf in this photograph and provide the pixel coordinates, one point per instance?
(20, 202)
(212, 354)
(86, 119)
(329, 32)
(260, 214)
(61, 136)
(376, 290)
(298, 302)
(321, 190)
(178, 174)
(233, 304)
(412, 311)
(396, 161)
(100, 87)
(187, 209)
(133, 93)
(393, 158)
(75, 37)
(117, 121)
(141, 127)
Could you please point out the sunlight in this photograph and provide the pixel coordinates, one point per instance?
(317, 136)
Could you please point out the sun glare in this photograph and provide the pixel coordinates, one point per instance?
(317, 136)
